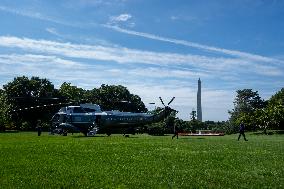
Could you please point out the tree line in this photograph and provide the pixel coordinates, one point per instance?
(256, 112)
(249, 108)
(26, 100)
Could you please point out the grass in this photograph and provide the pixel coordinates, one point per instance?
(141, 161)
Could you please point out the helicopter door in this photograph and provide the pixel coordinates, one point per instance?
(98, 120)
(62, 118)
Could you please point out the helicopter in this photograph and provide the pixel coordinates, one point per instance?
(89, 119)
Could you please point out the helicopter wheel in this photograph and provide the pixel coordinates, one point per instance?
(64, 133)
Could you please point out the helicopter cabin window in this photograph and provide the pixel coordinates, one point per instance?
(78, 110)
(89, 110)
(77, 119)
(69, 110)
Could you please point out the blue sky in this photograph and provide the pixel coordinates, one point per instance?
(154, 48)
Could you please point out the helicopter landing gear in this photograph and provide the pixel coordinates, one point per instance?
(64, 133)
(108, 133)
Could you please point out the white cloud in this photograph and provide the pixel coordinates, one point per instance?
(121, 18)
(52, 31)
(114, 20)
(88, 76)
(146, 73)
(54, 66)
(151, 72)
(239, 54)
(268, 70)
(215, 103)
(205, 64)
(174, 17)
(184, 18)
(117, 54)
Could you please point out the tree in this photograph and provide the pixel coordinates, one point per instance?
(193, 115)
(246, 103)
(23, 93)
(112, 97)
(272, 116)
(27, 88)
(71, 93)
(195, 124)
(24, 101)
(277, 98)
(4, 111)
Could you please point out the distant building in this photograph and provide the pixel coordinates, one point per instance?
(199, 109)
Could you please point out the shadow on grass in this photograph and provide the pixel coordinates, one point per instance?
(10, 131)
(272, 132)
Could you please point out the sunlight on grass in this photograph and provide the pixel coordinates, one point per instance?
(141, 161)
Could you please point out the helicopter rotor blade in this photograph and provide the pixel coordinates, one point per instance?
(162, 101)
(171, 100)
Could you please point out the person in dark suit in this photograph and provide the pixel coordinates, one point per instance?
(242, 131)
(176, 132)
(38, 127)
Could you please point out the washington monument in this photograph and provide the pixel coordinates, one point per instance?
(199, 109)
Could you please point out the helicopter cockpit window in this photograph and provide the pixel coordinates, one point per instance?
(62, 109)
(78, 110)
(55, 118)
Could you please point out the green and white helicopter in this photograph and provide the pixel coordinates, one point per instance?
(90, 119)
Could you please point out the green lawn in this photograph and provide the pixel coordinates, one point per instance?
(141, 161)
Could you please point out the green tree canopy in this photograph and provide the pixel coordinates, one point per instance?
(278, 98)
(72, 93)
(246, 103)
(273, 115)
(26, 100)
(116, 97)
(26, 88)
(23, 93)
(5, 118)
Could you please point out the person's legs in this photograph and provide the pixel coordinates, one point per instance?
(244, 136)
(175, 135)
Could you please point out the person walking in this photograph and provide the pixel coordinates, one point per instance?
(242, 131)
(38, 127)
(176, 130)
